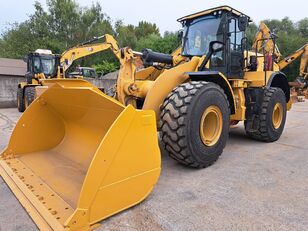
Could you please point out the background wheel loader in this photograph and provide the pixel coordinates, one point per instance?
(90, 157)
(42, 64)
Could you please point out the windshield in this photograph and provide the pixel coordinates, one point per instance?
(198, 35)
(44, 65)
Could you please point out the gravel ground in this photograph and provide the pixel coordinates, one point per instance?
(253, 186)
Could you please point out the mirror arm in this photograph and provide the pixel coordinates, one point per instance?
(205, 61)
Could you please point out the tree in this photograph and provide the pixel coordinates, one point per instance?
(145, 29)
(303, 27)
(63, 25)
(165, 44)
(126, 35)
(251, 31)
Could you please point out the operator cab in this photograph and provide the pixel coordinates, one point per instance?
(41, 61)
(223, 25)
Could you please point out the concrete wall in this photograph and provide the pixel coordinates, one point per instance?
(8, 87)
(8, 90)
(102, 83)
(106, 81)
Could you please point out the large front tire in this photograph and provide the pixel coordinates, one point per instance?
(271, 117)
(195, 123)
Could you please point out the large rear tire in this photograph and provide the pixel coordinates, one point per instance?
(20, 100)
(30, 96)
(271, 118)
(195, 123)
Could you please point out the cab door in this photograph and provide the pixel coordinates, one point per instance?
(235, 51)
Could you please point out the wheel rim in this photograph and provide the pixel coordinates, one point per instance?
(211, 125)
(277, 115)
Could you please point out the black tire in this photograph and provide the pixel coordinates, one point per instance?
(180, 123)
(30, 96)
(265, 130)
(20, 100)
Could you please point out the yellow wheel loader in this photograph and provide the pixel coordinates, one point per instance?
(43, 64)
(91, 155)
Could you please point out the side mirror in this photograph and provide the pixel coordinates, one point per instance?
(242, 23)
(180, 35)
(214, 46)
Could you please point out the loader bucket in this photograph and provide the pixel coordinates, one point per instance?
(77, 156)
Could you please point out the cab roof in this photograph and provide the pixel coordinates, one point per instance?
(210, 11)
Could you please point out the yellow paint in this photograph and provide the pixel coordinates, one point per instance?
(289, 105)
(257, 78)
(277, 115)
(301, 52)
(211, 125)
(238, 87)
(165, 83)
(85, 156)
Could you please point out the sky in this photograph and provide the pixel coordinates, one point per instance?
(163, 12)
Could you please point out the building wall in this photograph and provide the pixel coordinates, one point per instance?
(8, 90)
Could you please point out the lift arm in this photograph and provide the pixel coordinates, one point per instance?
(301, 52)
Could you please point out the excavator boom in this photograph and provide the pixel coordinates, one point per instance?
(301, 52)
(89, 48)
(264, 40)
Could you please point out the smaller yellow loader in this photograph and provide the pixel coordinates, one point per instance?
(42, 64)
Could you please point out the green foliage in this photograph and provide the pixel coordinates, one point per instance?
(64, 24)
(165, 44)
(251, 31)
(126, 35)
(131, 35)
(145, 29)
(303, 27)
(105, 67)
